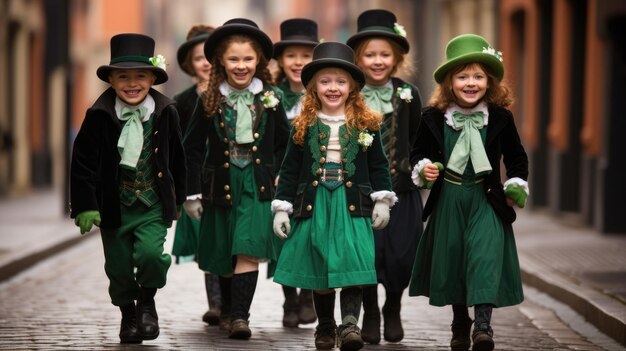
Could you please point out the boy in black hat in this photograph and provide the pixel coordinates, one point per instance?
(128, 177)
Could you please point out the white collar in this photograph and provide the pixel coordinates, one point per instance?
(325, 117)
(255, 87)
(481, 107)
(148, 103)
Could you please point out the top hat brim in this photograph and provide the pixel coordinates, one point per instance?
(229, 29)
(281, 45)
(313, 67)
(493, 64)
(354, 40)
(104, 71)
(187, 46)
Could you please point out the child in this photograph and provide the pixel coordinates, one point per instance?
(467, 255)
(380, 48)
(234, 153)
(192, 61)
(335, 182)
(128, 177)
(292, 52)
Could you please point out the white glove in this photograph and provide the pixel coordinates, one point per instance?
(282, 227)
(193, 208)
(380, 215)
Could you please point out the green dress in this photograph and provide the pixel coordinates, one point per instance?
(467, 254)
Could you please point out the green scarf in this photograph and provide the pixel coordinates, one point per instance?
(290, 98)
(378, 98)
(469, 145)
(241, 100)
(130, 142)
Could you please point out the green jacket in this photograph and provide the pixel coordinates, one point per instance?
(366, 170)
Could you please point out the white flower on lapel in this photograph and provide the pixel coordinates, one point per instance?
(365, 139)
(399, 29)
(405, 93)
(270, 100)
(158, 61)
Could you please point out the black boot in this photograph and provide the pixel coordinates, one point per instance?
(243, 288)
(461, 327)
(391, 313)
(482, 337)
(225, 290)
(128, 327)
(214, 296)
(290, 307)
(147, 318)
(325, 332)
(306, 314)
(371, 315)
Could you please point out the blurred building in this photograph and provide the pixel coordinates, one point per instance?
(565, 60)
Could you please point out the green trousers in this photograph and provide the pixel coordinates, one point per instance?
(134, 254)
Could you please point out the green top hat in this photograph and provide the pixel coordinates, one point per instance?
(133, 51)
(468, 48)
(183, 50)
(237, 26)
(332, 54)
(296, 31)
(379, 23)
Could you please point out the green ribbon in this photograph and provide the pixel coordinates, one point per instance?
(378, 98)
(130, 142)
(469, 145)
(290, 98)
(241, 100)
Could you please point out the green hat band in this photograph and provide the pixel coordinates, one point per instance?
(383, 28)
(131, 59)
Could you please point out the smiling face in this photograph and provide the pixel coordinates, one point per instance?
(239, 61)
(131, 85)
(377, 60)
(333, 88)
(293, 58)
(200, 65)
(469, 85)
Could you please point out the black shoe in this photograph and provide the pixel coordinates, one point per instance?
(325, 337)
(306, 314)
(461, 335)
(147, 318)
(290, 311)
(371, 328)
(349, 338)
(211, 317)
(128, 326)
(482, 338)
(239, 329)
(393, 331)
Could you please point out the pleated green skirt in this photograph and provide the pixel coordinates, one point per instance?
(331, 249)
(243, 229)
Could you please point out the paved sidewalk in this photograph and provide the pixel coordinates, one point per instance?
(574, 264)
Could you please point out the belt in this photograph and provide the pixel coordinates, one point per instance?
(331, 175)
(457, 180)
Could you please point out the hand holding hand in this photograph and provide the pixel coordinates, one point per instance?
(282, 226)
(194, 208)
(85, 220)
(430, 173)
(380, 215)
(517, 194)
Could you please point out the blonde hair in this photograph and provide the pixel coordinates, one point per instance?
(497, 94)
(212, 96)
(358, 115)
(403, 65)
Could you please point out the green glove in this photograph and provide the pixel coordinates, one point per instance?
(427, 184)
(85, 220)
(517, 194)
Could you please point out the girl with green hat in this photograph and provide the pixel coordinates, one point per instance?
(381, 49)
(467, 255)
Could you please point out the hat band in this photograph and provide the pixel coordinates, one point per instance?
(300, 37)
(131, 59)
(383, 28)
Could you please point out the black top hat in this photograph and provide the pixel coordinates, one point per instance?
(134, 51)
(332, 54)
(237, 26)
(188, 45)
(379, 23)
(296, 31)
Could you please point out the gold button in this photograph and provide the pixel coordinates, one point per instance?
(393, 163)
(322, 135)
(319, 171)
(352, 208)
(137, 192)
(227, 197)
(393, 171)
(255, 148)
(315, 182)
(344, 160)
(219, 110)
(262, 188)
(226, 165)
(226, 153)
(322, 148)
(258, 161)
(226, 187)
(256, 135)
(322, 160)
(222, 124)
(349, 184)
(309, 208)
(226, 140)
(156, 150)
(346, 136)
(160, 174)
(156, 132)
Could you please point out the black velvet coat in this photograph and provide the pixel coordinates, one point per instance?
(188, 104)
(502, 143)
(94, 178)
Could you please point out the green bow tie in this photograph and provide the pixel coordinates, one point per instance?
(241, 100)
(378, 98)
(469, 145)
(290, 98)
(130, 142)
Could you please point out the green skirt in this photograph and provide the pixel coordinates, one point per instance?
(185, 238)
(243, 229)
(329, 250)
(467, 254)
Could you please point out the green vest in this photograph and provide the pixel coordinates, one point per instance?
(240, 156)
(139, 183)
